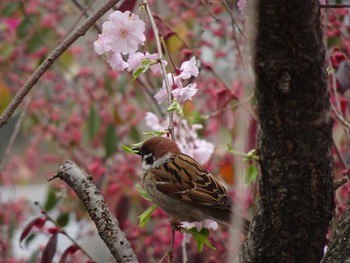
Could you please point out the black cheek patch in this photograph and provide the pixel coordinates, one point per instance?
(149, 160)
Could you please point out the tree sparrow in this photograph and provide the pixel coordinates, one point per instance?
(182, 187)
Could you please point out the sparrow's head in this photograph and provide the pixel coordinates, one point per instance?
(156, 151)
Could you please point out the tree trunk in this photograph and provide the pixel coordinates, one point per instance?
(295, 138)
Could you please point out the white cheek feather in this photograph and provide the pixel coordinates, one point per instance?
(162, 160)
(145, 166)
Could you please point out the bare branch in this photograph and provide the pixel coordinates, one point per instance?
(106, 224)
(160, 56)
(51, 58)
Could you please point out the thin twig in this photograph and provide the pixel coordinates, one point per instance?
(339, 183)
(51, 58)
(143, 81)
(160, 56)
(15, 133)
(46, 214)
(172, 69)
(209, 11)
(85, 12)
(233, 18)
(345, 166)
(344, 179)
(340, 117)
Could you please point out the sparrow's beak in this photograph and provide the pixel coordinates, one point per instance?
(137, 150)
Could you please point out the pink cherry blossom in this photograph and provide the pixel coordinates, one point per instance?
(189, 68)
(202, 150)
(100, 45)
(161, 96)
(135, 61)
(173, 79)
(124, 32)
(242, 5)
(207, 223)
(181, 94)
(154, 123)
(116, 61)
(186, 93)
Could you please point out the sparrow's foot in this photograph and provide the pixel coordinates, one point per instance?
(175, 224)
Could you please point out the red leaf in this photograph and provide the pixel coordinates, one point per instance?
(128, 5)
(53, 230)
(38, 222)
(50, 249)
(69, 251)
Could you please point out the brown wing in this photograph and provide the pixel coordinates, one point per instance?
(184, 178)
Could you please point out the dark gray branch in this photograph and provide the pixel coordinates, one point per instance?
(106, 224)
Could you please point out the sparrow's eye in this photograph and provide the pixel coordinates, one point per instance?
(149, 159)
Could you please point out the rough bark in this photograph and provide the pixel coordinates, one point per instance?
(106, 224)
(295, 137)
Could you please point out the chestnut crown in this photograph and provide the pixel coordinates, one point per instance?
(158, 147)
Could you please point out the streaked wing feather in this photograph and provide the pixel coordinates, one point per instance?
(192, 183)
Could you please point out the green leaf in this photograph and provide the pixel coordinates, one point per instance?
(34, 257)
(63, 219)
(29, 239)
(23, 27)
(175, 105)
(34, 43)
(108, 84)
(333, 41)
(229, 147)
(251, 174)
(94, 122)
(110, 140)
(196, 117)
(145, 216)
(145, 64)
(143, 193)
(154, 133)
(138, 144)
(128, 149)
(6, 50)
(200, 237)
(330, 70)
(134, 134)
(252, 155)
(51, 199)
(9, 9)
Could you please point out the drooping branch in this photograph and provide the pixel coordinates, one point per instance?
(106, 224)
(51, 58)
(160, 56)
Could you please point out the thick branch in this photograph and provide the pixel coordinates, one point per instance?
(106, 224)
(339, 247)
(51, 58)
